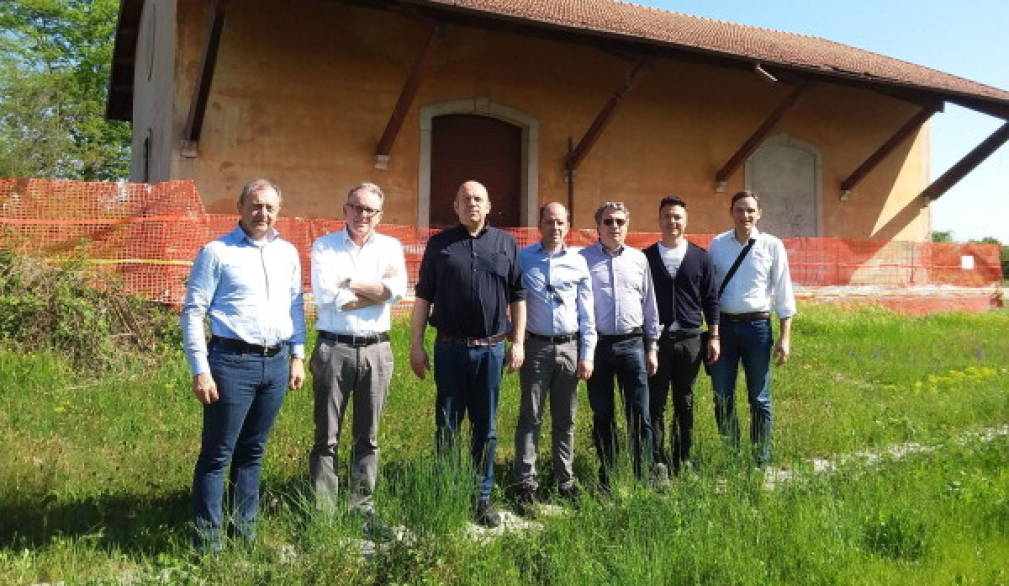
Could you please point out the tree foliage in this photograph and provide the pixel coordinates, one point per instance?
(55, 59)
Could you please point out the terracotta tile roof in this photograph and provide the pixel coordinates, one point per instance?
(635, 23)
(692, 33)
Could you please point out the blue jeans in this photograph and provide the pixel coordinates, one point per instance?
(469, 380)
(235, 429)
(750, 342)
(625, 359)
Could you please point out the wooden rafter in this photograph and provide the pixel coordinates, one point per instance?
(407, 95)
(967, 164)
(761, 133)
(201, 93)
(898, 138)
(578, 154)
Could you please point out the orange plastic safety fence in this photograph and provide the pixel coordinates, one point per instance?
(148, 235)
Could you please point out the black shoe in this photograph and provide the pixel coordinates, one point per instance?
(569, 491)
(375, 528)
(486, 515)
(526, 502)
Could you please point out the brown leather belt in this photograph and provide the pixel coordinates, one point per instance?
(488, 341)
(741, 317)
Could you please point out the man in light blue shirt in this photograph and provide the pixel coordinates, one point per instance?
(628, 324)
(248, 282)
(560, 346)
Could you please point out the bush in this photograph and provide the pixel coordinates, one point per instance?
(79, 313)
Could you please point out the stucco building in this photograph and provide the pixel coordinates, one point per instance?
(580, 101)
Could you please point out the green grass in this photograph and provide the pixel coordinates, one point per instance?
(95, 476)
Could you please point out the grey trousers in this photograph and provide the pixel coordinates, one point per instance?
(339, 371)
(549, 369)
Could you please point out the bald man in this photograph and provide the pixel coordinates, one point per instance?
(469, 278)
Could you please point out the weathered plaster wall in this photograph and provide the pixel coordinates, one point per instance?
(303, 91)
(153, 92)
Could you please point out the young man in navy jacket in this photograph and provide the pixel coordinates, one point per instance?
(687, 297)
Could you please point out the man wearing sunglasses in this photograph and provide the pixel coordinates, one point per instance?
(628, 327)
(470, 275)
(357, 274)
(560, 344)
(687, 298)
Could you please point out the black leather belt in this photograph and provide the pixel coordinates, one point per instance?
(488, 341)
(558, 339)
(243, 347)
(682, 334)
(635, 333)
(741, 317)
(356, 341)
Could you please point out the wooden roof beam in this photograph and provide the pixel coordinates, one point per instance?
(407, 95)
(584, 146)
(201, 93)
(910, 127)
(759, 135)
(965, 165)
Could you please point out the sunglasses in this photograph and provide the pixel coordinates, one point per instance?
(615, 221)
(555, 295)
(363, 210)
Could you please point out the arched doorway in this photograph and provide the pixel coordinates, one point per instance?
(491, 128)
(785, 173)
(466, 146)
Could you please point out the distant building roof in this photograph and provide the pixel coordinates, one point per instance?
(638, 25)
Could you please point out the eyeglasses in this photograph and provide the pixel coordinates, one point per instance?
(363, 210)
(554, 295)
(616, 221)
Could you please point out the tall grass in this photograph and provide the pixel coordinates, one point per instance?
(96, 469)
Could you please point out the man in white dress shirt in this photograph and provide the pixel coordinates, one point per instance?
(760, 285)
(357, 274)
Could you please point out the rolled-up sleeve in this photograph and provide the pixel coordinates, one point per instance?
(297, 310)
(395, 282)
(781, 283)
(426, 286)
(709, 291)
(516, 289)
(200, 289)
(586, 316)
(651, 308)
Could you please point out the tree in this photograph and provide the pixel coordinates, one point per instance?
(946, 236)
(55, 59)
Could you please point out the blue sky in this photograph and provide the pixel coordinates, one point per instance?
(968, 38)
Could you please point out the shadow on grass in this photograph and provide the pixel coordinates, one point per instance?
(129, 523)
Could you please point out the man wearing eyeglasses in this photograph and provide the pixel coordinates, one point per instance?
(628, 326)
(471, 275)
(357, 275)
(687, 298)
(560, 346)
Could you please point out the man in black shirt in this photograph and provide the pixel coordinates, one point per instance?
(684, 289)
(471, 275)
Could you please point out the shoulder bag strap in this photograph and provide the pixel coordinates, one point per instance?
(735, 265)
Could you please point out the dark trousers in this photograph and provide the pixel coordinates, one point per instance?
(468, 380)
(679, 361)
(235, 429)
(625, 360)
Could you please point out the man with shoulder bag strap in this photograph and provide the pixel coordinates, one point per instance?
(752, 268)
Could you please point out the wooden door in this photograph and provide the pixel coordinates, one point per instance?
(484, 149)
